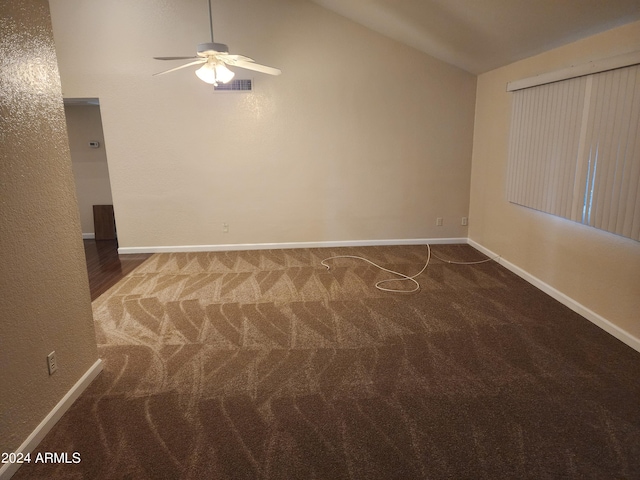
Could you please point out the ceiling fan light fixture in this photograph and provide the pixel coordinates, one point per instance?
(207, 73)
(213, 73)
(212, 57)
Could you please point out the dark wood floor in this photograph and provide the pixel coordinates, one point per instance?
(105, 266)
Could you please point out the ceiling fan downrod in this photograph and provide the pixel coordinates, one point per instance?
(210, 22)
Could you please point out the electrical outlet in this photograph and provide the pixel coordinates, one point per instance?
(225, 228)
(465, 221)
(52, 362)
(439, 221)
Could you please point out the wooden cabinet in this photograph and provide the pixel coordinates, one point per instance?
(104, 222)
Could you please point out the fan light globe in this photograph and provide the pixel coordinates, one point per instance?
(223, 74)
(213, 73)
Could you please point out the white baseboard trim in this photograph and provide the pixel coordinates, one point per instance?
(88, 236)
(32, 441)
(567, 301)
(270, 246)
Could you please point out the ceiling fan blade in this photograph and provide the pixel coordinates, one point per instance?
(197, 62)
(230, 59)
(256, 67)
(173, 58)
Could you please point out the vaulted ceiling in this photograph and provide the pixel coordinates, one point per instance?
(480, 35)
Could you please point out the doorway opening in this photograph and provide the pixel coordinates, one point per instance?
(90, 168)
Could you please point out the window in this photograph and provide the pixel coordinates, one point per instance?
(574, 149)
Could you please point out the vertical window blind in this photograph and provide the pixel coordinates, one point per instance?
(574, 150)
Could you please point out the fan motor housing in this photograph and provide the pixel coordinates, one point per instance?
(206, 49)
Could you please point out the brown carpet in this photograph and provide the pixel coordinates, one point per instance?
(263, 365)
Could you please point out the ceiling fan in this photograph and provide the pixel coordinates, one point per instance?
(214, 58)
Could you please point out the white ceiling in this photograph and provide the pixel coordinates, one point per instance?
(480, 35)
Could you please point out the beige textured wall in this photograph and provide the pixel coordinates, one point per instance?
(599, 270)
(90, 169)
(44, 300)
(360, 138)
